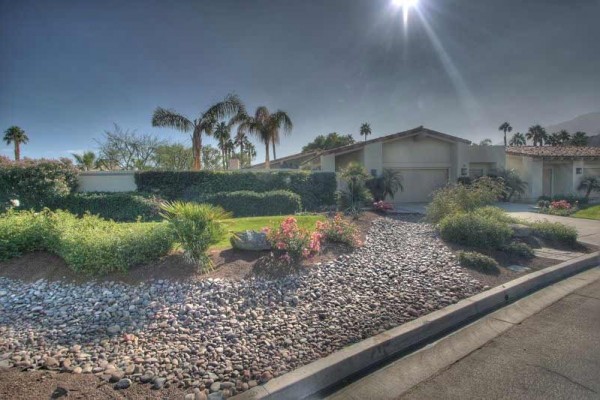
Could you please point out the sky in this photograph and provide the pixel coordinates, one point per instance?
(70, 69)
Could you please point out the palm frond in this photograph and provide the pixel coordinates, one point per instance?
(165, 118)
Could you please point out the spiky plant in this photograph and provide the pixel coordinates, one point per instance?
(16, 136)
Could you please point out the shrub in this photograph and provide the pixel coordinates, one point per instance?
(34, 182)
(251, 204)
(338, 230)
(388, 184)
(478, 261)
(475, 231)
(89, 244)
(555, 232)
(291, 243)
(196, 227)
(355, 195)
(496, 214)
(519, 249)
(463, 198)
(120, 207)
(316, 189)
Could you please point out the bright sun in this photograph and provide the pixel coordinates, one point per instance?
(405, 3)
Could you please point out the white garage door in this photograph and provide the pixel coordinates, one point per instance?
(419, 184)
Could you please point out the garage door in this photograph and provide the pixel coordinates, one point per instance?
(419, 184)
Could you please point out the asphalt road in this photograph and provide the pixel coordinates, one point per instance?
(554, 354)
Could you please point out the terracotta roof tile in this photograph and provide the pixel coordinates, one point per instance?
(555, 151)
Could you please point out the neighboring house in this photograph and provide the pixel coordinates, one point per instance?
(309, 160)
(427, 160)
(552, 170)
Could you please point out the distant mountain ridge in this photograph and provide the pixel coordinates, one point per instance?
(588, 123)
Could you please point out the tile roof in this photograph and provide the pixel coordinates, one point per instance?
(555, 151)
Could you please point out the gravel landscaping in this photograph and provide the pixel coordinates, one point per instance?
(228, 336)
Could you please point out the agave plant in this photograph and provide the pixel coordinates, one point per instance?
(196, 227)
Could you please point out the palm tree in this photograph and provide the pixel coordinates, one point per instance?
(365, 130)
(579, 139)
(554, 139)
(513, 184)
(266, 126)
(505, 127)
(240, 140)
(222, 134)
(229, 148)
(86, 161)
(537, 134)
(589, 184)
(518, 139)
(250, 151)
(564, 136)
(16, 135)
(486, 142)
(205, 123)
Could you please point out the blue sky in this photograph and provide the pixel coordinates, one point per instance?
(69, 69)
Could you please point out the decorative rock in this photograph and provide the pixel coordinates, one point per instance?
(158, 383)
(122, 384)
(520, 230)
(250, 240)
(51, 362)
(113, 329)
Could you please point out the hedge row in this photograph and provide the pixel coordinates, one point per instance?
(316, 189)
(246, 203)
(89, 244)
(121, 207)
(33, 182)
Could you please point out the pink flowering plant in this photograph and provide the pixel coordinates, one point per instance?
(382, 206)
(560, 205)
(291, 243)
(339, 230)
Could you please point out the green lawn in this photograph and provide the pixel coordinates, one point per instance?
(257, 223)
(592, 212)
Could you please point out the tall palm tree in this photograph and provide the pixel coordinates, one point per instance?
(240, 140)
(222, 134)
(518, 139)
(553, 139)
(86, 161)
(564, 136)
(250, 151)
(205, 123)
(537, 134)
(365, 130)
(505, 127)
(579, 139)
(266, 126)
(229, 148)
(16, 135)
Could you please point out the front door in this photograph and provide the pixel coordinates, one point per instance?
(547, 182)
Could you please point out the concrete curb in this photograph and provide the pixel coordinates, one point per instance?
(328, 371)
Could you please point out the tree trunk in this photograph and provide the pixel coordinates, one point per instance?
(197, 150)
(241, 154)
(504, 138)
(267, 161)
(274, 154)
(17, 151)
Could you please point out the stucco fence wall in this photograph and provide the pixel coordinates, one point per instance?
(107, 181)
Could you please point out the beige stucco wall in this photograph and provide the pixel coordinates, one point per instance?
(107, 181)
(417, 152)
(343, 160)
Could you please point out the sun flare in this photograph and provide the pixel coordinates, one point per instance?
(406, 5)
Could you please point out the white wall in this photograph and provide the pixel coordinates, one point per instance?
(107, 181)
(416, 152)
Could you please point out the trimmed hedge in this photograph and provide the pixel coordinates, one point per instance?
(478, 261)
(475, 231)
(246, 203)
(555, 232)
(120, 207)
(316, 189)
(34, 182)
(89, 244)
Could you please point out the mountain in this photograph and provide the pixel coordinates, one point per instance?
(588, 123)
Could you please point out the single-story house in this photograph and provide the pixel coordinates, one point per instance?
(553, 170)
(426, 159)
(309, 161)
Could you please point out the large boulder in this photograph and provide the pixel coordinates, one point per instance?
(250, 240)
(520, 230)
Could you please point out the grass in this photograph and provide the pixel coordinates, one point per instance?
(592, 212)
(257, 223)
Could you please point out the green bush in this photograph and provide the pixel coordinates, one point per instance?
(196, 228)
(316, 189)
(34, 182)
(89, 244)
(252, 204)
(518, 249)
(120, 207)
(555, 232)
(355, 195)
(478, 261)
(475, 231)
(496, 214)
(463, 198)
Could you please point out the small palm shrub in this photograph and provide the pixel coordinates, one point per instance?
(555, 232)
(475, 231)
(339, 230)
(196, 227)
(292, 243)
(356, 195)
(388, 184)
(461, 198)
(518, 249)
(478, 262)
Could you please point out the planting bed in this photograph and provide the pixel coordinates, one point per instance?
(227, 335)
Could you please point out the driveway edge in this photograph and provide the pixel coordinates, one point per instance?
(335, 368)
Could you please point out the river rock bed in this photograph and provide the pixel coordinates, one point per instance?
(224, 336)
